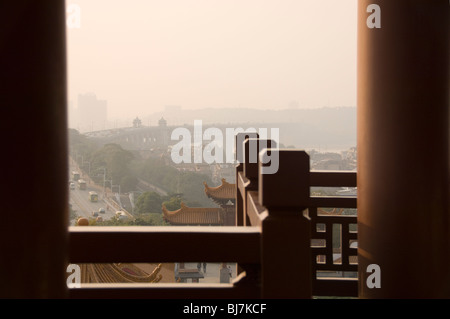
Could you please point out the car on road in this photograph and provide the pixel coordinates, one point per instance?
(72, 185)
(94, 213)
(101, 210)
(121, 215)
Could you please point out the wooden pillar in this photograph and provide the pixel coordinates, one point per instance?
(286, 234)
(33, 230)
(239, 210)
(252, 147)
(239, 155)
(403, 97)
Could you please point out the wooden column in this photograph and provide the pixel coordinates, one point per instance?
(239, 154)
(33, 230)
(403, 98)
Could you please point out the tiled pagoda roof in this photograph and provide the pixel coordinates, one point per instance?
(193, 215)
(118, 273)
(221, 194)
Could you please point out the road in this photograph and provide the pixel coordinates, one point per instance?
(84, 207)
(79, 199)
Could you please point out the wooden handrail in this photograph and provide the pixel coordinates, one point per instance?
(98, 244)
(235, 290)
(255, 212)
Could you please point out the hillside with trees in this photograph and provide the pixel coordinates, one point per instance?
(110, 164)
(186, 183)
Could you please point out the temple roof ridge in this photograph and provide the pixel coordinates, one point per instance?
(224, 192)
(186, 215)
(117, 273)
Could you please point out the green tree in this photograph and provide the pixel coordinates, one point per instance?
(116, 161)
(150, 220)
(81, 148)
(190, 184)
(193, 189)
(173, 203)
(149, 202)
(141, 220)
(128, 183)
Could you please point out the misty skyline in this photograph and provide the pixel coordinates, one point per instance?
(143, 55)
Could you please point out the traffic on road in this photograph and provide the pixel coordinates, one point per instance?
(87, 201)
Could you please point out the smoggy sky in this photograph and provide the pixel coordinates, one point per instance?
(141, 55)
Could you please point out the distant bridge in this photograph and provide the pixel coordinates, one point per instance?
(134, 138)
(144, 138)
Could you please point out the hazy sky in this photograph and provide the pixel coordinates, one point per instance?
(141, 55)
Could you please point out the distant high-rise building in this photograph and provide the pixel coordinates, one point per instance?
(92, 113)
(163, 131)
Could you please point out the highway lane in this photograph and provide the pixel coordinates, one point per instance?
(79, 199)
(84, 207)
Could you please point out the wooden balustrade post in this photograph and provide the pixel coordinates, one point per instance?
(252, 146)
(239, 155)
(251, 165)
(286, 234)
(239, 199)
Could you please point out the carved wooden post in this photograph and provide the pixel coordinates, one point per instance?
(240, 207)
(252, 146)
(239, 200)
(286, 251)
(240, 181)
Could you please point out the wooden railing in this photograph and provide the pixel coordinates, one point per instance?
(333, 236)
(276, 222)
(165, 244)
(324, 247)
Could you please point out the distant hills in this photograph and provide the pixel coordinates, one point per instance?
(326, 129)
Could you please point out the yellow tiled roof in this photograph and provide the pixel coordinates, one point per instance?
(117, 273)
(193, 215)
(223, 191)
